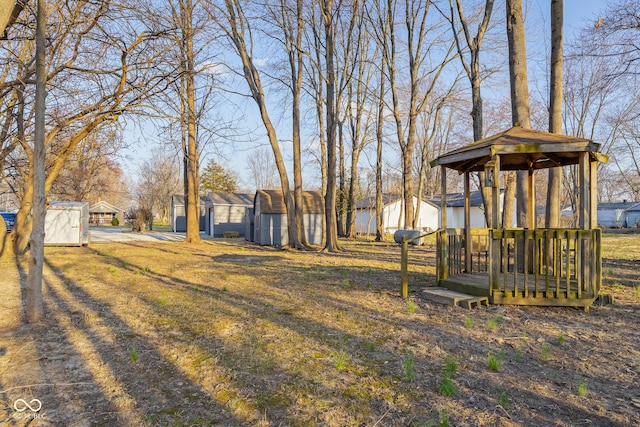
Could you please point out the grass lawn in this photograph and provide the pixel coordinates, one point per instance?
(229, 333)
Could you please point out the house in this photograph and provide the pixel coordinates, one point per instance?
(227, 212)
(393, 214)
(102, 213)
(270, 223)
(178, 218)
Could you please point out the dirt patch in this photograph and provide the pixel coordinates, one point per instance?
(228, 333)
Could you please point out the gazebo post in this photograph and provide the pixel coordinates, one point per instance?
(593, 194)
(467, 224)
(532, 200)
(494, 244)
(584, 191)
(443, 264)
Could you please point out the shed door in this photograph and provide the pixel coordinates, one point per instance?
(62, 227)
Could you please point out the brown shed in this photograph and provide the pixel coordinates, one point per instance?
(270, 226)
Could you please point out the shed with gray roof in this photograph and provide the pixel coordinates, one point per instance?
(227, 212)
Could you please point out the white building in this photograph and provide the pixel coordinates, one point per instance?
(393, 215)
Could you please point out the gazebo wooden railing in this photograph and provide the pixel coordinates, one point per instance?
(560, 268)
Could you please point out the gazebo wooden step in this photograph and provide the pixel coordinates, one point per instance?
(445, 296)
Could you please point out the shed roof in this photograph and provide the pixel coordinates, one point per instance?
(617, 206)
(220, 198)
(521, 149)
(272, 202)
(634, 208)
(178, 200)
(456, 200)
(387, 199)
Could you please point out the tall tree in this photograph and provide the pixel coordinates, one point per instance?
(36, 253)
(89, 88)
(331, 222)
(471, 66)
(289, 20)
(552, 214)
(423, 38)
(519, 103)
(233, 22)
(190, 143)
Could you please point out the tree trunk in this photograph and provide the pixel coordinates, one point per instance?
(519, 96)
(552, 213)
(342, 177)
(331, 223)
(473, 72)
(379, 141)
(235, 27)
(192, 199)
(34, 309)
(296, 64)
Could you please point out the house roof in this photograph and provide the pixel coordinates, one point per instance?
(387, 199)
(272, 202)
(521, 149)
(220, 198)
(104, 207)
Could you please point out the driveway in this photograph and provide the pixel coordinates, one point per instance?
(116, 234)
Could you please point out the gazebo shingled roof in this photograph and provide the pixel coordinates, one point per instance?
(520, 149)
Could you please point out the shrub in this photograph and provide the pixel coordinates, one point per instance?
(115, 222)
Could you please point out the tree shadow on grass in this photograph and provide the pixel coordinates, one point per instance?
(97, 369)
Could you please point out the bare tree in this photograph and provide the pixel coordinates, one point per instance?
(519, 104)
(233, 22)
(34, 306)
(552, 213)
(92, 87)
(424, 40)
(472, 44)
(160, 179)
(263, 169)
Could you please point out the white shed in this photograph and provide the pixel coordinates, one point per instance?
(393, 215)
(455, 209)
(614, 215)
(227, 212)
(67, 224)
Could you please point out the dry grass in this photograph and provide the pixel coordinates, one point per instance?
(228, 333)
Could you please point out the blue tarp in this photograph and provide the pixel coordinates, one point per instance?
(9, 219)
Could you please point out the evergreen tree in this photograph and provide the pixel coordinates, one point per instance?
(216, 178)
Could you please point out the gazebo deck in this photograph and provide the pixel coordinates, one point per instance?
(549, 294)
(552, 267)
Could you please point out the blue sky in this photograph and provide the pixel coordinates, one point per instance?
(578, 13)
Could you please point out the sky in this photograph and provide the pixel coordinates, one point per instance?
(578, 13)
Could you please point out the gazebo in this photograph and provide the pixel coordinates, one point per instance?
(529, 265)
